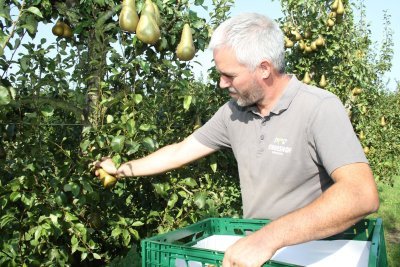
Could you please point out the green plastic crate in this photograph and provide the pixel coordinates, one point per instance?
(163, 250)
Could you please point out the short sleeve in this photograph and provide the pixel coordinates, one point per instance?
(214, 132)
(332, 136)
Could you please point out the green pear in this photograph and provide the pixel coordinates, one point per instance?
(185, 49)
(128, 18)
(147, 29)
(320, 41)
(157, 14)
(288, 43)
(335, 5)
(307, 78)
(67, 32)
(340, 8)
(322, 82)
(107, 179)
(58, 29)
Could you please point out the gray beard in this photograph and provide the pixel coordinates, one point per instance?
(250, 99)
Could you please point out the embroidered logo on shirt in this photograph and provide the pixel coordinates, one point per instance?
(278, 146)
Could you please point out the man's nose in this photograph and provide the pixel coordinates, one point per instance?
(224, 82)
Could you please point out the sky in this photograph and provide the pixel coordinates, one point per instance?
(374, 17)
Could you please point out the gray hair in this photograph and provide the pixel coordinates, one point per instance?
(253, 37)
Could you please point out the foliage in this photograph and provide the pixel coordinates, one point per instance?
(353, 70)
(101, 92)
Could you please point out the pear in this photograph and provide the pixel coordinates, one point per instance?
(320, 41)
(157, 14)
(107, 179)
(362, 135)
(147, 29)
(58, 29)
(149, 7)
(383, 121)
(322, 82)
(302, 45)
(185, 49)
(356, 91)
(307, 48)
(330, 22)
(364, 109)
(297, 35)
(67, 32)
(335, 5)
(288, 43)
(340, 8)
(307, 78)
(332, 15)
(313, 46)
(128, 18)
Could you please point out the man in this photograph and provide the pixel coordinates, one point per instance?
(300, 162)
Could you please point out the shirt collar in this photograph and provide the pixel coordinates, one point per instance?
(284, 102)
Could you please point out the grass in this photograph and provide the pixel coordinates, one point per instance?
(389, 211)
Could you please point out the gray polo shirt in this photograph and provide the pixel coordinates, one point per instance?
(285, 159)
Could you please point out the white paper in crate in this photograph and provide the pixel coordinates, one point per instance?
(320, 253)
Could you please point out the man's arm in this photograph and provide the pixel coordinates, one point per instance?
(349, 199)
(167, 158)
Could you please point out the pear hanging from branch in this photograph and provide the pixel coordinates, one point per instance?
(185, 50)
(128, 18)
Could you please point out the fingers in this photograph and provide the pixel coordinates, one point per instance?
(105, 163)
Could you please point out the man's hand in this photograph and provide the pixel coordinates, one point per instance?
(249, 251)
(106, 164)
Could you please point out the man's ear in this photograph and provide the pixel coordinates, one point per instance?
(265, 68)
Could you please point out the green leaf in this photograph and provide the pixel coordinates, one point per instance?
(145, 127)
(36, 11)
(5, 11)
(213, 166)
(134, 233)
(200, 199)
(130, 126)
(84, 256)
(14, 196)
(132, 147)
(172, 200)
(47, 111)
(161, 189)
(84, 145)
(145, 66)
(4, 96)
(137, 223)
(30, 24)
(96, 256)
(67, 188)
(101, 140)
(149, 143)
(187, 100)
(138, 98)
(75, 189)
(116, 232)
(189, 182)
(127, 237)
(109, 119)
(70, 217)
(117, 144)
